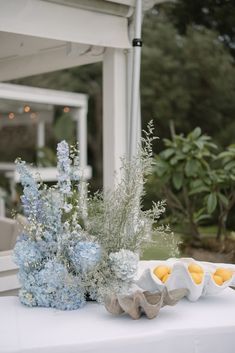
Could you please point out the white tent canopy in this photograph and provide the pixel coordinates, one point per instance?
(39, 36)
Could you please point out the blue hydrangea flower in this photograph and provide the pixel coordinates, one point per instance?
(85, 255)
(66, 294)
(27, 255)
(124, 264)
(69, 297)
(29, 280)
(53, 274)
(27, 298)
(33, 291)
(52, 286)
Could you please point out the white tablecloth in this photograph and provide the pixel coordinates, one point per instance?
(207, 326)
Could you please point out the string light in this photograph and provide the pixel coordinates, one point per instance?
(11, 116)
(27, 108)
(33, 115)
(66, 109)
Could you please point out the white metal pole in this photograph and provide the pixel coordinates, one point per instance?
(137, 43)
(40, 138)
(41, 134)
(2, 207)
(81, 119)
(114, 116)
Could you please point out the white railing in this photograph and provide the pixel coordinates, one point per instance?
(9, 283)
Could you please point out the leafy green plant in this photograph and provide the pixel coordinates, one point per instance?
(226, 197)
(46, 157)
(196, 182)
(181, 169)
(218, 187)
(64, 128)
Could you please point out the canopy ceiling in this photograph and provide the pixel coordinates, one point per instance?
(40, 36)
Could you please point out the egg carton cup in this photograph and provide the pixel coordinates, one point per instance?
(180, 277)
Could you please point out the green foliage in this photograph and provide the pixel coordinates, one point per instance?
(46, 157)
(64, 128)
(187, 78)
(218, 15)
(196, 181)
(187, 75)
(117, 220)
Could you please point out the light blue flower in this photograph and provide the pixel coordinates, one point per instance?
(27, 254)
(85, 255)
(69, 297)
(62, 288)
(52, 213)
(53, 274)
(27, 298)
(28, 279)
(124, 264)
(30, 199)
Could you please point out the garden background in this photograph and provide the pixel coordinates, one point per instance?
(187, 87)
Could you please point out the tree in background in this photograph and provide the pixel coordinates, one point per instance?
(189, 79)
(188, 74)
(217, 15)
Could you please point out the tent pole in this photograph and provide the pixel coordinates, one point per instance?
(135, 125)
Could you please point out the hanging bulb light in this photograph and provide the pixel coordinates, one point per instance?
(27, 108)
(11, 116)
(66, 110)
(33, 115)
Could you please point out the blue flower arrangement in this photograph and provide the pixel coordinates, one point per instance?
(74, 246)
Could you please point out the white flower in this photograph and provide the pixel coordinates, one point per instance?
(124, 264)
(67, 207)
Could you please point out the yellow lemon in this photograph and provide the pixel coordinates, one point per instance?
(218, 280)
(224, 274)
(161, 271)
(165, 278)
(195, 268)
(197, 277)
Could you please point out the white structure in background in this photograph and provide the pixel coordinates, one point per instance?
(8, 270)
(42, 101)
(45, 100)
(39, 36)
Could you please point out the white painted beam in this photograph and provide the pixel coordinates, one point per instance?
(42, 62)
(48, 174)
(42, 95)
(80, 117)
(55, 21)
(114, 115)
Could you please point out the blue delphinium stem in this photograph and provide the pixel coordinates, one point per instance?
(31, 196)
